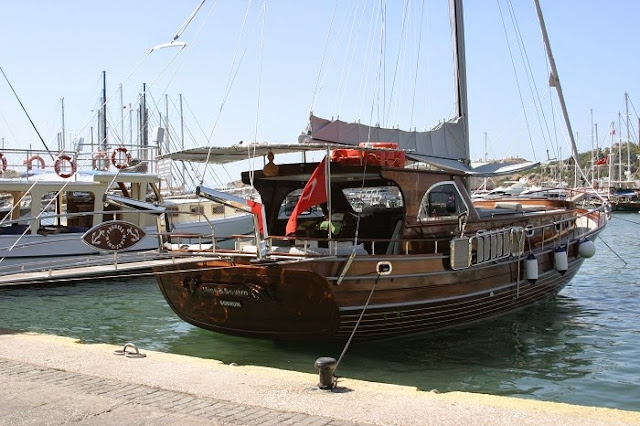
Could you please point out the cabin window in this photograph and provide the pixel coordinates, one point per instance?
(197, 209)
(387, 197)
(442, 201)
(289, 203)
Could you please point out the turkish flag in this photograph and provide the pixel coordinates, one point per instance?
(601, 161)
(314, 193)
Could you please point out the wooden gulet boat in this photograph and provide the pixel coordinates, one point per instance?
(429, 259)
(416, 268)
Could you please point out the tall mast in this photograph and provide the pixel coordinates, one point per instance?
(593, 154)
(628, 171)
(598, 149)
(611, 157)
(554, 81)
(184, 171)
(64, 143)
(460, 65)
(103, 135)
(166, 123)
(620, 147)
(144, 136)
(122, 108)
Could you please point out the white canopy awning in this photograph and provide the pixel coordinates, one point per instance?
(230, 154)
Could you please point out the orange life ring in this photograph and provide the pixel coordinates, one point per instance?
(117, 163)
(58, 166)
(30, 160)
(100, 162)
(3, 162)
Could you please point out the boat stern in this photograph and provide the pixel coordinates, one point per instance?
(249, 300)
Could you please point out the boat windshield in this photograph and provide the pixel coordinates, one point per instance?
(442, 200)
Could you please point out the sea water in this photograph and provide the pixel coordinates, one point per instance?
(582, 348)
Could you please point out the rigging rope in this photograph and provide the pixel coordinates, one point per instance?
(233, 72)
(346, 69)
(513, 64)
(415, 77)
(530, 80)
(251, 155)
(27, 114)
(403, 38)
(316, 91)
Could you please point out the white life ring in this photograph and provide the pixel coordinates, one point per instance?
(60, 162)
(100, 162)
(117, 162)
(30, 160)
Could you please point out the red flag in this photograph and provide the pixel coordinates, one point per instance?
(257, 209)
(314, 193)
(601, 161)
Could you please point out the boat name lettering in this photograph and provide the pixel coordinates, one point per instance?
(231, 303)
(226, 291)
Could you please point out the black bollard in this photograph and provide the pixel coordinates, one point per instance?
(326, 366)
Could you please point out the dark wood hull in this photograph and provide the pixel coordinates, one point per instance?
(301, 300)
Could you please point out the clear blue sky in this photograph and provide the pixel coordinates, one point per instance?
(58, 49)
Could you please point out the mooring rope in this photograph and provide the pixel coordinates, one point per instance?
(612, 250)
(344, 351)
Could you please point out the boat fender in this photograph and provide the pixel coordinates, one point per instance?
(3, 162)
(57, 166)
(118, 162)
(100, 162)
(30, 160)
(531, 268)
(586, 248)
(560, 260)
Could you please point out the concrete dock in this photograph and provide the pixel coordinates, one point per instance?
(57, 380)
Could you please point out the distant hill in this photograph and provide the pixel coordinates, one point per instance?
(553, 172)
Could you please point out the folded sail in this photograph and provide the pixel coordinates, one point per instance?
(444, 146)
(446, 140)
